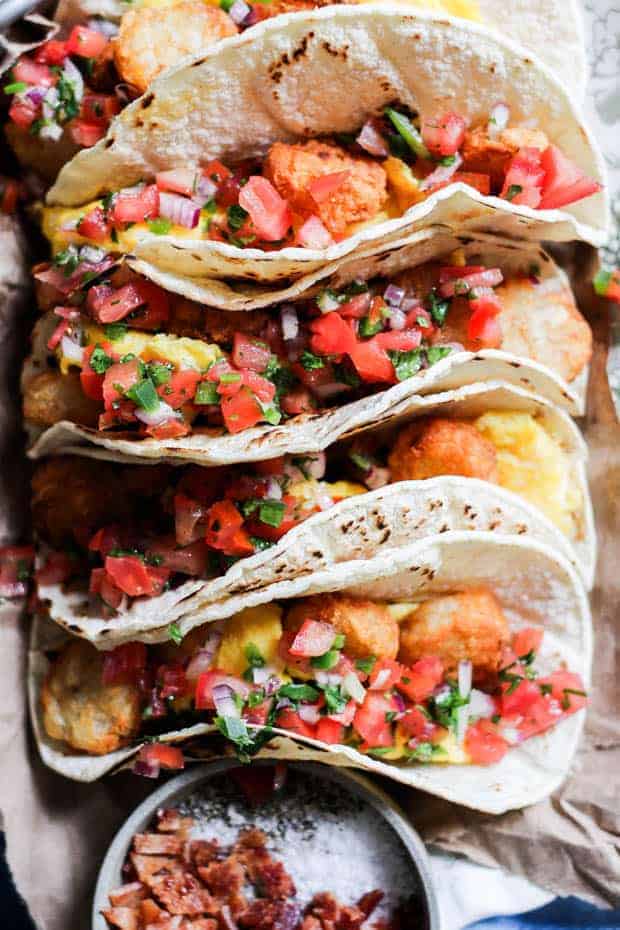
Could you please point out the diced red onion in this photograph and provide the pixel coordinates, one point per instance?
(372, 141)
(352, 686)
(146, 769)
(481, 704)
(410, 303)
(225, 704)
(327, 678)
(290, 322)
(274, 490)
(162, 414)
(462, 719)
(205, 188)
(272, 685)
(393, 295)
(51, 131)
(104, 26)
(72, 74)
(441, 692)
(90, 253)
(377, 477)
(179, 210)
(201, 662)
(382, 678)
(284, 702)
(399, 701)
(397, 319)
(49, 103)
(309, 713)
(239, 11)
(36, 94)
(442, 173)
(464, 677)
(71, 350)
(498, 119)
(261, 676)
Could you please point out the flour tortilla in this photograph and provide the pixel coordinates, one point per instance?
(552, 29)
(534, 328)
(298, 76)
(535, 585)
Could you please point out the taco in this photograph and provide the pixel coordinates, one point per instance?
(65, 92)
(123, 366)
(125, 551)
(467, 680)
(276, 191)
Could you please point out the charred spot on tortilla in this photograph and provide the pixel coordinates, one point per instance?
(521, 529)
(494, 524)
(108, 143)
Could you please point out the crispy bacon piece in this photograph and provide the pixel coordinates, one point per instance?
(182, 893)
(153, 844)
(170, 821)
(223, 878)
(129, 895)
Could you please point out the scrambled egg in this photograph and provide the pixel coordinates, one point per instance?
(182, 352)
(310, 490)
(403, 184)
(259, 626)
(532, 463)
(466, 9)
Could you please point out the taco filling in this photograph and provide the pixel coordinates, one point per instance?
(315, 193)
(172, 524)
(126, 355)
(444, 680)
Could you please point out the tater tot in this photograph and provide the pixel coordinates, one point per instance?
(469, 625)
(439, 446)
(368, 627)
(83, 712)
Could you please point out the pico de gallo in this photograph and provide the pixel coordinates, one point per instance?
(177, 524)
(154, 364)
(315, 193)
(66, 85)
(290, 666)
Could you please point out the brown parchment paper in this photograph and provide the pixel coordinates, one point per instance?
(57, 831)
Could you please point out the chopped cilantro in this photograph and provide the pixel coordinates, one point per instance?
(160, 226)
(271, 512)
(310, 361)
(159, 372)
(345, 374)
(115, 331)
(100, 361)
(405, 363)
(339, 641)
(271, 413)
(255, 698)
(144, 395)
(602, 280)
(236, 216)
(260, 544)
(67, 107)
(235, 729)
(434, 354)
(445, 705)
(253, 656)
(366, 665)
(545, 689)
(206, 393)
(68, 260)
(174, 632)
(447, 160)
(327, 660)
(362, 462)
(335, 701)
(513, 190)
(437, 307)
(495, 718)
(296, 692)
(368, 328)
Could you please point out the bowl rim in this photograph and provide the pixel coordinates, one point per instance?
(173, 790)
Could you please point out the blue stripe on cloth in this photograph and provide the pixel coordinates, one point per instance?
(559, 914)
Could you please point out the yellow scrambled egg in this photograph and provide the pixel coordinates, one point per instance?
(259, 627)
(532, 463)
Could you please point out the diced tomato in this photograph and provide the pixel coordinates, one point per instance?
(30, 72)
(395, 341)
(187, 514)
(526, 641)
(15, 568)
(207, 681)
(524, 178)
(313, 638)
(57, 568)
(329, 731)
(138, 207)
(10, 193)
(568, 689)
(179, 180)
(106, 539)
(172, 680)
(161, 754)
(99, 109)
(444, 135)
(261, 387)
(480, 182)
(110, 306)
(372, 362)
(345, 717)
(216, 171)
(241, 411)
(386, 673)
(181, 387)
(518, 699)
(484, 744)
(118, 379)
(419, 681)
(483, 324)
(171, 429)
(321, 188)
(250, 353)
(290, 519)
(52, 52)
(134, 577)
(313, 234)
(86, 134)
(227, 194)
(289, 719)
(416, 724)
(23, 112)
(95, 226)
(85, 42)
(102, 585)
(269, 213)
(259, 713)
(357, 307)
(55, 338)
(296, 402)
(124, 663)
(564, 182)
(370, 720)
(224, 530)
(331, 335)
